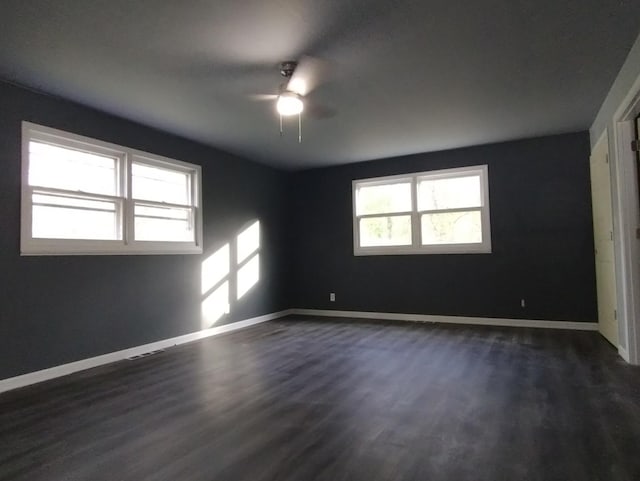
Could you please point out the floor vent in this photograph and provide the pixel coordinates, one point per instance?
(145, 354)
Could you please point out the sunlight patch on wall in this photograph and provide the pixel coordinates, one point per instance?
(248, 242)
(215, 268)
(248, 276)
(215, 305)
(248, 259)
(220, 277)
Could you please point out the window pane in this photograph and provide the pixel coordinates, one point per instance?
(52, 199)
(248, 275)
(57, 217)
(452, 228)
(68, 169)
(454, 193)
(160, 185)
(160, 212)
(248, 241)
(383, 199)
(168, 224)
(385, 231)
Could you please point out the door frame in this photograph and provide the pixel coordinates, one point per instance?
(626, 199)
(604, 138)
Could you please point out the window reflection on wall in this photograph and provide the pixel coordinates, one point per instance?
(220, 276)
(215, 286)
(248, 259)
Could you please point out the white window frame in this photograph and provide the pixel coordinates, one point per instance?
(416, 246)
(127, 245)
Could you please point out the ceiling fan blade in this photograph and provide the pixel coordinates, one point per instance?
(262, 97)
(318, 111)
(308, 75)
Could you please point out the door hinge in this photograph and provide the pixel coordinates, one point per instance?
(606, 158)
(635, 145)
(611, 234)
(615, 314)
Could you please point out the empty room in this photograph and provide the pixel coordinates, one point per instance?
(294, 240)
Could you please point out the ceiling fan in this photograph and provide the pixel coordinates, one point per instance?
(302, 77)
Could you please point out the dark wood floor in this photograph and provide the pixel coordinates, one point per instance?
(305, 399)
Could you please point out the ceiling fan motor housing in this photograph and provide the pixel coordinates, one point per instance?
(287, 68)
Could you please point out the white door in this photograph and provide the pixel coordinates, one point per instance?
(603, 238)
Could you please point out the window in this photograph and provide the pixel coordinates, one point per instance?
(438, 212)
(84, 196)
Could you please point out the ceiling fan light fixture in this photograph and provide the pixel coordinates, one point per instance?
(289, 103)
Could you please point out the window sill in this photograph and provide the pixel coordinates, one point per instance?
(105, 248)
(430, 250)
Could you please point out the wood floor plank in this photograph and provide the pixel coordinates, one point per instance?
(321, 399)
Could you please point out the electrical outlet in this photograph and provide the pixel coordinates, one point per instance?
(332, 297)
(522, 303)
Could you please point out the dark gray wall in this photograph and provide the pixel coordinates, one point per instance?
(59, 309)
(541, 234)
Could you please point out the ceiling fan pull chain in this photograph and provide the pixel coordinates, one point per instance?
(300, 128)
(280, 125)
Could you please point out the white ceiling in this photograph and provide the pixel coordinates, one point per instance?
(405, 76)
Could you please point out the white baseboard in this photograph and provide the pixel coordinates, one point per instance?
(65, 369)
(482, 321)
